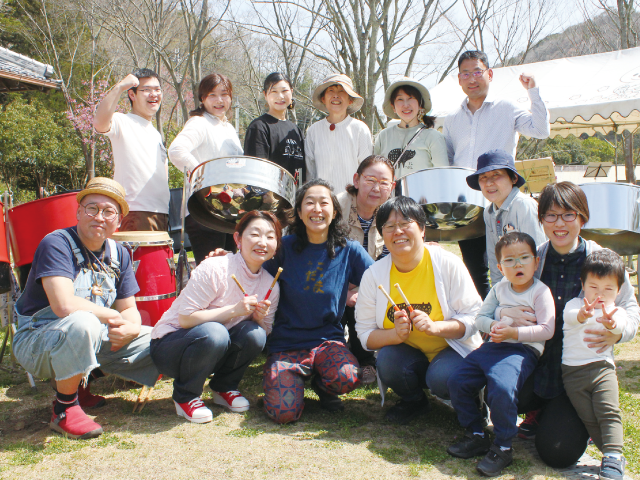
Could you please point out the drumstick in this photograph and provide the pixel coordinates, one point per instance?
(395, 307)
(237, 282)
(406, 301)
(266, 297)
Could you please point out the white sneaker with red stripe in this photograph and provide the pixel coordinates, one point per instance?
(195, 411)
(232, 400)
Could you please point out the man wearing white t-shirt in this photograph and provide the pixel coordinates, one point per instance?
(139, 156)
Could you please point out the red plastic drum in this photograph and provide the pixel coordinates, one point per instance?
(30, 222)
(155, 272)
(4, 252)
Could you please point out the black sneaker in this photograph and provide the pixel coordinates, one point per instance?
(612, 469)
(329, 402)
(529, 427)
(403, 412)
(471, 446)
(495, 461)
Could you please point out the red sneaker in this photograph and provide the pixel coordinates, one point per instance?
(195, 411)
(87, 400)
(74, 423)
(529, 426)
(232, 400)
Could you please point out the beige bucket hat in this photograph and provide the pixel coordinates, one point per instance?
(388, 108)
(105, 186)
(345, 82)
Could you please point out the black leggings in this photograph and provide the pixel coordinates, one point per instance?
(561, 438)
(474, 256)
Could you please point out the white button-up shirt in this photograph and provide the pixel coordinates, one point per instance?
(496, 124)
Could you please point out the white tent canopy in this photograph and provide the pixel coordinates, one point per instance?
(587, 94)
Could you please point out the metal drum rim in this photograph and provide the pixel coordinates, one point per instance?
(240, 156)
(623, 184)
(452, 167)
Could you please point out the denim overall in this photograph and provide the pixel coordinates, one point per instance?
(82, 286)
(48, 346)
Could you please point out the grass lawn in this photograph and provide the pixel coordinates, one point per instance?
(354, 444)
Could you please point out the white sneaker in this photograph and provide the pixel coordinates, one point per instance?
(232, 400)
(195, 411)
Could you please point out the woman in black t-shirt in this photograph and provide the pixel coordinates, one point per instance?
(271, 135)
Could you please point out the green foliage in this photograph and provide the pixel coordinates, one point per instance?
(38, 147)
(572, 150)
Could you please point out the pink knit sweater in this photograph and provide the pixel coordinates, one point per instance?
(211, 286)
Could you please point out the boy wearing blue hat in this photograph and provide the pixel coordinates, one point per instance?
(510, 209)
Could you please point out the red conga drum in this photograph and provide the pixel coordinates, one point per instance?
(155, 272)
(30, 222)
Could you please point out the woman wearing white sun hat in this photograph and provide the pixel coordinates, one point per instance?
(337, 144)
(413, 144)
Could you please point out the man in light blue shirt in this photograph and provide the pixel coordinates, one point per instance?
(482, 123)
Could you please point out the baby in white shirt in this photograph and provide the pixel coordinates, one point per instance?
(590, 377)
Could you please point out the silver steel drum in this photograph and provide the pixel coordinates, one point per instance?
(454, 211)
(224, 189)
(614, 211)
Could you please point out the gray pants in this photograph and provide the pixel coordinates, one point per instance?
(593, 391)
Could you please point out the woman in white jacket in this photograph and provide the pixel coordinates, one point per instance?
(207, 135)
(420, 349)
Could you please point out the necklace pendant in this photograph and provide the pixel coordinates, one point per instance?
(96, 290)
(332, 127)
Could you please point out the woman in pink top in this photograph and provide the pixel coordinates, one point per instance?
(213, 328)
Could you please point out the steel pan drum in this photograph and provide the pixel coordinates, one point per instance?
(614, 211)
(222, 190)
(454, 211)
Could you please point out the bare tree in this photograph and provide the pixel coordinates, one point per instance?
(361, 38)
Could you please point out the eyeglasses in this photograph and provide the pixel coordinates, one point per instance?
(370, 181)
(475, 73)
(523, 260)
(553, 217)
(391, 227)
(92, 210)
(148, 91)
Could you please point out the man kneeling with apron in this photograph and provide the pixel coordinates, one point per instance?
(78, 311)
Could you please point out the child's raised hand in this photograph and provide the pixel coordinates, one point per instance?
(607, 318)
(587, 310)
(402, 324)
(261, 311)
(246, 306)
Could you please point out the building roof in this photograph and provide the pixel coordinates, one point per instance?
(20, 73)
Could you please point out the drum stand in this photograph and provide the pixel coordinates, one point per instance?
(183, 261)
(13, 294)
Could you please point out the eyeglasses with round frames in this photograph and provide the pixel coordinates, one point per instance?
(553, 217)
(391, 227)
(475, 74)
(523, 260)
(92, 210)
(371, 181)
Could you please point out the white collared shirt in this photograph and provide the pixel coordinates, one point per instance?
(496, 124)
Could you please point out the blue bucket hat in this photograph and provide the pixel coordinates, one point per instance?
(494, 160)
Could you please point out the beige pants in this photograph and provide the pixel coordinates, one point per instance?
(145, 222)
(593, 391)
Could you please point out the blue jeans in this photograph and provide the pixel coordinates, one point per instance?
(503, 368)
(190, 355)
(407, 371)
(61, 348)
